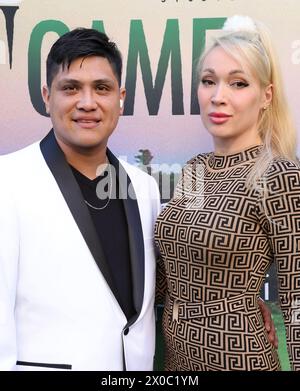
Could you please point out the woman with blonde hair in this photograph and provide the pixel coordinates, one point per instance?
(235, 211)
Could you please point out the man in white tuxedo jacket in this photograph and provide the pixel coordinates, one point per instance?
(77, 260)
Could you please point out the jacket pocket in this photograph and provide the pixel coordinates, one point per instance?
(44, 365)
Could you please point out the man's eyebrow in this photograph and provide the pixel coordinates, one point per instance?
(78, 82)
(104, 81)
(67, 80)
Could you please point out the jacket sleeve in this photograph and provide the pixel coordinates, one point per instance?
(160, 280)
(9, 250)
(281, 221)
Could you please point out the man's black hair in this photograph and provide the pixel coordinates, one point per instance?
(82, 42)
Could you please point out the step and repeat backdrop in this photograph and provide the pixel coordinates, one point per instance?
(160, 41)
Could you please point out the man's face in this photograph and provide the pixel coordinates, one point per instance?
(84, 104)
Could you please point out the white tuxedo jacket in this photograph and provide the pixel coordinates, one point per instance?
(58, 305)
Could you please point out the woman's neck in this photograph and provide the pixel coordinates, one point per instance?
(229, 146)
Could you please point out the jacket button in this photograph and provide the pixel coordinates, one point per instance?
(126, 331)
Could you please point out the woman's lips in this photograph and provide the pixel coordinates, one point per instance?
(219, 118)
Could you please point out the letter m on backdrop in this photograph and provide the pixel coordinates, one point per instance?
(169, 55)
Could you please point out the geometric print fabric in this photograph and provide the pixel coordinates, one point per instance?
(217, 239)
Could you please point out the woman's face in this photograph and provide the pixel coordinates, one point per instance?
(230, 100)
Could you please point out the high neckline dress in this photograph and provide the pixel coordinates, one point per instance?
(217, 238)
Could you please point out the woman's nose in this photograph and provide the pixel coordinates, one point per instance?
(219, 95)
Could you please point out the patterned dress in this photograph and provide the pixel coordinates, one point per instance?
(217, 238)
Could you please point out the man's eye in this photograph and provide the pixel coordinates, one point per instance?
(101, 87)
(69, 88)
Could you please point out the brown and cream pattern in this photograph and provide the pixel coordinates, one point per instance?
(217, 239)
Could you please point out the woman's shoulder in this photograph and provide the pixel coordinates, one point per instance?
(281, 165)
(284, 175)
(200, 158)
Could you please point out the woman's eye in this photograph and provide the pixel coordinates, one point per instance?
(207, 82)
(239, 84)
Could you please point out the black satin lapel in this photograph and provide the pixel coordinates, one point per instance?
(135, 233)
(69, 188)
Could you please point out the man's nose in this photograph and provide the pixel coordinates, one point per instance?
(87, 101)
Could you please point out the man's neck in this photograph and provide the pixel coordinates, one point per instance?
(89, 166)
(86, 161)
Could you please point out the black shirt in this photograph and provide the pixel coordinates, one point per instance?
(111, 226)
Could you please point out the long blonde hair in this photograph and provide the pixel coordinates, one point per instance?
(275, 127)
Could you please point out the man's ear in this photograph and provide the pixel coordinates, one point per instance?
(122, 99)
(46, 98)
